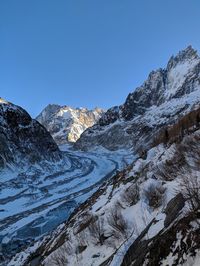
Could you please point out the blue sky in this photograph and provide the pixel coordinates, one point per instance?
(88, 53)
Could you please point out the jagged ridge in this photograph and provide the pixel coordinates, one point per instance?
(164, 96)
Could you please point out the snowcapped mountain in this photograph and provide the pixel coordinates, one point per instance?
(147, 213)
(66, 124)
(166, 95)
(135, 196)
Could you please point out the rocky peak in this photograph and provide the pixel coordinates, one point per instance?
(165, 93)
(149, 94)
(48, 111)
(160, 86)
(187, 54)
(65, 123)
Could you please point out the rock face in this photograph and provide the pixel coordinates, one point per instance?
(166, 95)
(66, 124)
(177, 243)
(23, 139)
(173, 207)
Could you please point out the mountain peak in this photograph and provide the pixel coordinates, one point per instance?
(3, 101)
(66, 123)
(189, 53)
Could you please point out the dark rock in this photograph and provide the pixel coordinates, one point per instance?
(173, 208)
(96, 255)
(151, 93)
(81, 248)
(154, 251)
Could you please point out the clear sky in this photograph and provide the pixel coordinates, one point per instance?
(87, 53)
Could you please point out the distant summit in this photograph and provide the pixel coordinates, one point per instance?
(65, 123)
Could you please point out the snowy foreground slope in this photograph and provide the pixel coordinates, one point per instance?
(147, 213)
(66, 124)
(142, 216)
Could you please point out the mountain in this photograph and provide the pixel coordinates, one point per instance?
(135, 195)
(148, 213)
(66, 124)
(23, 139)
(166, 95)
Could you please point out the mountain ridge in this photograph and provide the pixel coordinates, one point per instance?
(163, 96)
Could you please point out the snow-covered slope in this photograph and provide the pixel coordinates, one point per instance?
(142, 216)
(66, 124)
(166, 95)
